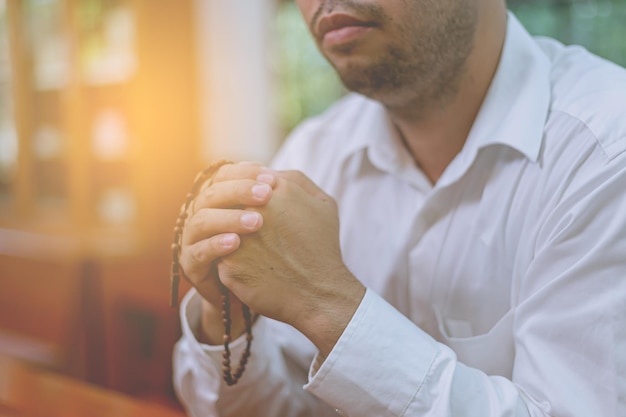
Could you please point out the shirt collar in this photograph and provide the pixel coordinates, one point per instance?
(513, 112)
(516, 106)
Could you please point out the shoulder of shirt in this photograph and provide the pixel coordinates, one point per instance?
(328, 136)
(591, 90)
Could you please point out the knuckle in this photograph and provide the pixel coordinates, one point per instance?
(187, 265)
(207, 194)
(283, 181)
(222, 173)
(199, 254)
(192, 222)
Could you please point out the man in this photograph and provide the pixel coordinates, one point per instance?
(455, 247)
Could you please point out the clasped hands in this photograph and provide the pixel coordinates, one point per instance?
(272, 237)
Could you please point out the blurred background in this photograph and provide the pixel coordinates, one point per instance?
(108, 108)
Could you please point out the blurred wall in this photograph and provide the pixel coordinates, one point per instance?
(238, 99)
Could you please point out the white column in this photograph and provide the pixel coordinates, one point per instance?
(237, 105)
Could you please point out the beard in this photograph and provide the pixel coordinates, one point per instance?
(387, 73)
(425, 62)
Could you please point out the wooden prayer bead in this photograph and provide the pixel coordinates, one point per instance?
(176, 271)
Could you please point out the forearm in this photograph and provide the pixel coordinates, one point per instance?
(330, 310)
(210, 329)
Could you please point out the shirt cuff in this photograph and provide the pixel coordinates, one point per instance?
(378, 365)
(210, 356)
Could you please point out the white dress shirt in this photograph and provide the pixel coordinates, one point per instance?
(498, 291)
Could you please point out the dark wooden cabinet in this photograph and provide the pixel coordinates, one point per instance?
(99, 141)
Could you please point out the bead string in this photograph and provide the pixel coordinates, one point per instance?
(230, 378)
(176, 273)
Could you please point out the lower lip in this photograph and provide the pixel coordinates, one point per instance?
(344, 35)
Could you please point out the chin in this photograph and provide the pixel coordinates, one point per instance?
(372, 83)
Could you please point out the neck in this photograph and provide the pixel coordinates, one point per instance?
(436, 133)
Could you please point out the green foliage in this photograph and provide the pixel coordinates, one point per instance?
(307, 83)
(597, 25)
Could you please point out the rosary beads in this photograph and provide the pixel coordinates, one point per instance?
(176, 272)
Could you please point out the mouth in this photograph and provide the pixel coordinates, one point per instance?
(340, 27)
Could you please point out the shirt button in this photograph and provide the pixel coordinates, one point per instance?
(341, 413)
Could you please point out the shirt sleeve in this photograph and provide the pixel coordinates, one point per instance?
(567, 326)
(271, 384)
(384, 365)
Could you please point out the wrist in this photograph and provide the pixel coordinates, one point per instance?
(210, 330)
(324, 320)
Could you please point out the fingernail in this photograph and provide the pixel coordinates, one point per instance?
(228, 240)
(261, 190)
(250, 219)
(265, 178)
